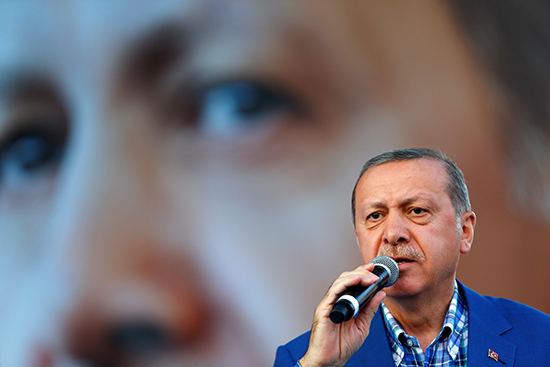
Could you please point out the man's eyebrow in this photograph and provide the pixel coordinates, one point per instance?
(152, 52)
(19, 91)
(410, 200)
(407, 201)
(22, 85)
(374, 204)
(416, 198)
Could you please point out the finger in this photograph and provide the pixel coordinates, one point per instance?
(347, 280)
(361, 275)
(367, 313)
(364, 271)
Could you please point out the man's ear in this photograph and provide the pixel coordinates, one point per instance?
(467, 226)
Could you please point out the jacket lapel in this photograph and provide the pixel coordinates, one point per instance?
(486, 325)
(375, 351)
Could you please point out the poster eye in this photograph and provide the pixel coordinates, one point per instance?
(230, 108)
(28, 155)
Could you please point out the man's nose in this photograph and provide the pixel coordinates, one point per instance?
(395, 229)
(136, 290)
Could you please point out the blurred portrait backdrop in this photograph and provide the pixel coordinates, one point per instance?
(176, 175)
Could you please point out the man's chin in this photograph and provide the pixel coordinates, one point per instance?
(402, 289)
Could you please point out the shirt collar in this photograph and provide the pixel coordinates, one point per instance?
(454, 323)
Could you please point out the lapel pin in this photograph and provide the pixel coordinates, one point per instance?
(493, 355)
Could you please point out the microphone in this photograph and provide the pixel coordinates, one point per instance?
(356, 297)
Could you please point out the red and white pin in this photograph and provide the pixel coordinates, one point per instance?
(494, 355)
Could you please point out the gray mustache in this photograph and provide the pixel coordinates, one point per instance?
(406, 252)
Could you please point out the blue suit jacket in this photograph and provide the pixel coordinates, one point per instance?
(519, 334)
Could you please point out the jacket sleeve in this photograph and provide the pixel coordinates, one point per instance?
(283, 358)
(289, 354)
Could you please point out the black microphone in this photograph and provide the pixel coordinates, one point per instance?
(356, 297)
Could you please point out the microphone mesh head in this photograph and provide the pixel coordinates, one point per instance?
(391, 265)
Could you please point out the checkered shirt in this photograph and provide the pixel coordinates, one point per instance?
(448, 349)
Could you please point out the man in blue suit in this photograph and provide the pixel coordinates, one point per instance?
(413, 206)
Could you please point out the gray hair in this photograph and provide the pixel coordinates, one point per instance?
(456, 187)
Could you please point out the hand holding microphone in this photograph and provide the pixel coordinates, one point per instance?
(356, 297)
(333, 342)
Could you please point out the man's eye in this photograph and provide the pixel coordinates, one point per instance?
(234, 107)
(418, 211)
(28, 155)
(374, 216)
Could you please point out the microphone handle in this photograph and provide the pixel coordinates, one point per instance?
(357, 296)
(365, 295)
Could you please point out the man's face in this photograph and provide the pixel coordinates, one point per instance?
(404, 212)
(175, 175)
